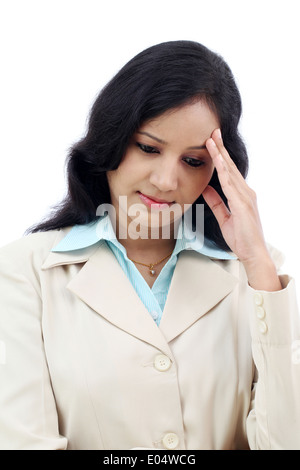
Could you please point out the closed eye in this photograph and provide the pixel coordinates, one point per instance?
(193, 162)
(147, 148)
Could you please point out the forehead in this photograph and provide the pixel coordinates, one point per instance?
(188, 121)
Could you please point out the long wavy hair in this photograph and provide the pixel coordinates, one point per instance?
(162, 77)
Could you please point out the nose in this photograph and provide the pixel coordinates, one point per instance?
(165, 176)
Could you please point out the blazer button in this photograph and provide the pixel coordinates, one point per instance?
(260, 312)
(258, 298)
(162, 363)
(170, 440)
(263, 328)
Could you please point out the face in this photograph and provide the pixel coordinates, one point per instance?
(166, 166)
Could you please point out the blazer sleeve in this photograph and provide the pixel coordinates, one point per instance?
(274, 419)
(28, 417)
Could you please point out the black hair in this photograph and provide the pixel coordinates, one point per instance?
(162, 77)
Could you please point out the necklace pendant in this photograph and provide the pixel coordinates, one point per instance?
(151, 270)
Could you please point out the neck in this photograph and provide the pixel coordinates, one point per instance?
(158, 247)
(145, 243)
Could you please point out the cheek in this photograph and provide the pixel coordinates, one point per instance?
(124, 179)
(209, 174)
(114, 179)
(130, 168)
(199, 183)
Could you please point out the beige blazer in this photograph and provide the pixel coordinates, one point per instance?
(84, 366)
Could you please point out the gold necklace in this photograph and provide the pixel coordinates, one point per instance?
(150, 266)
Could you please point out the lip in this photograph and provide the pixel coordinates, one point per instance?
(154, 202)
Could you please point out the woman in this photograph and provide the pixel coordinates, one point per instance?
(117, 333)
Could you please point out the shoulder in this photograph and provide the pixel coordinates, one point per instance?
(31, 249)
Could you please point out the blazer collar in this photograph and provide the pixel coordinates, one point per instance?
(80, 237)
(191, 294)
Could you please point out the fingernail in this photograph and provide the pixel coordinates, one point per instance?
(219, 133)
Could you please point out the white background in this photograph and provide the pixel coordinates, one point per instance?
(56, 55)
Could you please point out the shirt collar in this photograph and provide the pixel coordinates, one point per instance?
(83, 236)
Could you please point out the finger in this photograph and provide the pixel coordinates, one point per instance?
(216, 204)
(218, 141)
(228, 174)
(215, 154)
(216, 136)
(221, 166)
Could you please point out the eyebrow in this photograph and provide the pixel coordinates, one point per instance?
(199, 147)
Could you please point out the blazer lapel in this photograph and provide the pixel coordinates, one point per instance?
(198, 284)
(103, 285)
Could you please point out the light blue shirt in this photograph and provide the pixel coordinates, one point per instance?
(154, 299)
